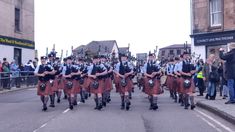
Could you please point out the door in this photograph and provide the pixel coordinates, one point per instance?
(18, 56)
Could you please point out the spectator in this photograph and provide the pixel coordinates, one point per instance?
(29, 71)
(229, 57)
(200, 77)
(15, 74)
(225, 90)
(6, 74)
(211, 77)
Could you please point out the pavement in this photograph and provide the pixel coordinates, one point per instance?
(21, 112)
(218, 107)
(2, 91)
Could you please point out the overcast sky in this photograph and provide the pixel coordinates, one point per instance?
(144, 24)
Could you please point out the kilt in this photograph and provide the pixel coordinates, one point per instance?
(180, 89)
(153, 90)
(86, 84)
(100, 89)
(72, 90)
(116, 81)
(47, 91)
(169, 82)
(77, 86)
(189, 90)
(108, 86)
(60, 82)
(127, 88)
(174, 84)
(54, 88)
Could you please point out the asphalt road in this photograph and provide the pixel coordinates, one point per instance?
(21, 112)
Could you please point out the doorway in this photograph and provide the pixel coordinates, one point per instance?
(18, 56)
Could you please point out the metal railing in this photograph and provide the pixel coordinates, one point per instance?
(17, 79)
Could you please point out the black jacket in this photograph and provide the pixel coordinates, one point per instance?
(230, 63)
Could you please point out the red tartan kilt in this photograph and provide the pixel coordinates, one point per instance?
(108, 86)
(61, 83)
(180, 85)
(131, 85)
(55, 86)
(116, 83)
(169, 82)
(86, 84)
(155, 89)
(47, 91)
(100, 89)
(72, 90)
(174, 84)
(127, 88)
(190, 90)
(76, 86)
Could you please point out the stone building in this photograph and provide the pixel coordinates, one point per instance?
(212, 25)
(17, 30)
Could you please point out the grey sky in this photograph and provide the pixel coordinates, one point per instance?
(142, 23)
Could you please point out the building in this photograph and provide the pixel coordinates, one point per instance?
(173, 50)
(124, 50)
(17, 30)
(108, 48)
(212, 25)
(141, 58)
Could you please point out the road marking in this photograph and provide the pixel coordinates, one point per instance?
(40, 127)
(66, 111)
(210, 124)
(214, 120)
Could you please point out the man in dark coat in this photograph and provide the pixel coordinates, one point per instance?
(229, 57)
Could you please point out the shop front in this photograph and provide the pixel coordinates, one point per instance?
(209, 43)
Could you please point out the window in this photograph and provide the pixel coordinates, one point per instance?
(171, 52)
(163, 53)
(17, 19)
(178, 52)
(215, 12)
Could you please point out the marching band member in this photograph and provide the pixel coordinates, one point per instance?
(43, 72)
(123, 70)
(187, 72)
(69, 83)
(108, 80)
(152, 74)
(96, 72)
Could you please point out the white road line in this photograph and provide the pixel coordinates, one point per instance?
(40, 127)
(214, 120)
(66, 111)
(210, 124)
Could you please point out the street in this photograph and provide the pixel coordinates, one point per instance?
(21, 112)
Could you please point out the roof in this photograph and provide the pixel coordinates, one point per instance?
(101, 46)
(98, 46)
(123, 50)
(174, 46)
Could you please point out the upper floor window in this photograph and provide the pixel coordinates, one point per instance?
(17, 19)
(215, 12)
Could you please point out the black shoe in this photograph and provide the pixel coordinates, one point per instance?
(52, 105)
(122, 107)
(151, 107)
(127, 106)
(44, 108)
(71, 107)
(192, 107)
(155, 107)
(83, 100)
(75, 103)
(99, 107)
(104, 103)
(58, 100)
(206, 97)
